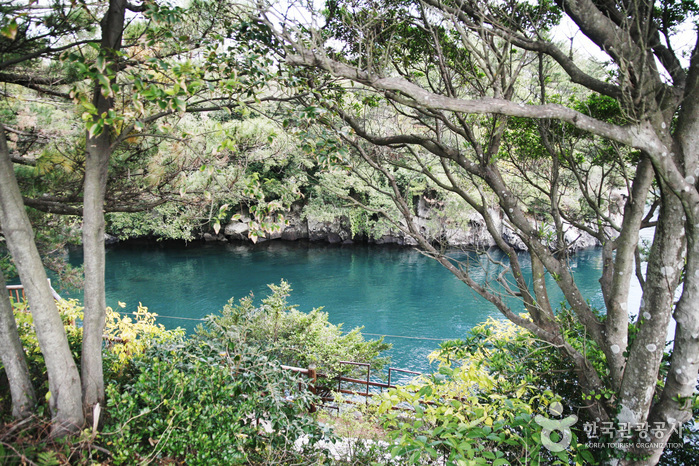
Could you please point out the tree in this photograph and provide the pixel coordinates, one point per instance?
(455, 80)
(122, 80)
(64, 380)
(22, 44)
(14, 361)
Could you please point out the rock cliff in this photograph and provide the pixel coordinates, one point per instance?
(469, 232)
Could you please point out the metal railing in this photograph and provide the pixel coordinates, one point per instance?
(16, 292)
(326, 393)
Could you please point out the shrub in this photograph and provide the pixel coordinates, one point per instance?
(129, 335)
(206, 401)
(486, 404)
(28, 441)
(220, 395)
(293, 337)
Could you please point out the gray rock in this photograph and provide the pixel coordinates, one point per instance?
(577, 240)
(294, 233)
(390, 239)
(296, 228)
(274, 234)
(334, 238)
(327, 231)
(237, 230)
(512, 239)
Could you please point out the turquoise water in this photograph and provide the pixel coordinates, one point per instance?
(389, 291)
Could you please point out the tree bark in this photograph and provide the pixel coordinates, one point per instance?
(93, 250)
(13, 359)
(675, 405)
(98, 152)
(645, 352)
(64, 380)
(618, 271)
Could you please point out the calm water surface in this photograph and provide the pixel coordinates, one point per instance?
(389, 291)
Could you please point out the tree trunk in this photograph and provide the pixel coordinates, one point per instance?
(94, 297)
(23, 397)
(98, 151)
(618, 270)
(665, 265)
(675, 405)
(64, 380)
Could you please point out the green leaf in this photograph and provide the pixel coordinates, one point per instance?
(179, 104)
(90, 107)
(96, 128)
(10, 30)
(100, 63)
(103, 81)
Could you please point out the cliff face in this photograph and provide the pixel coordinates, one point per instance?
(469, 232)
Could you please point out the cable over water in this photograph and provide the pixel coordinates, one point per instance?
(387, 291)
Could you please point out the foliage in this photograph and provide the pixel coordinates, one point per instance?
(222, 171)
(128, 337)
(195, 399)
(481, 406)
(137, 332)
(53, 234)
(212, 397)
(284, 333)
(201, 401)
(70, 312)
(167, 221)
(481, 99)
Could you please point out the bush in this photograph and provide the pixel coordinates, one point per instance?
(70, 312)
(129, 335)
(28, 441)
(218, 396)
(221, 395)
(486, 404)
(136, 331)
(205, 401)
(295, 338)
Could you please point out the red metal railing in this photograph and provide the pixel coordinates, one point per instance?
(16, 292)
(325, 393)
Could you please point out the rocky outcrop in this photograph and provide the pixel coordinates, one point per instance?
(471, 232)
(238, 229)
(295, 229)
(337, 230)
(110, 239)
